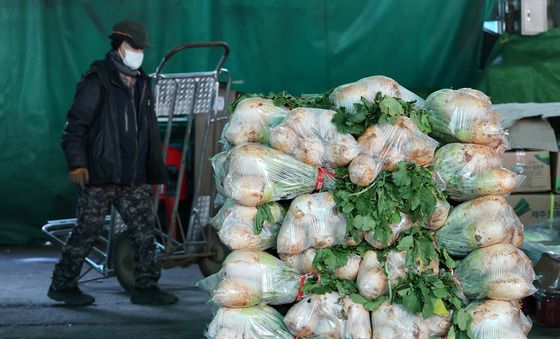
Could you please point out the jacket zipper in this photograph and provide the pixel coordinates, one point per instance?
(126, 119)
(134, 112)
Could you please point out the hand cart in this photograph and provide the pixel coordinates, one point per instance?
(179, 97)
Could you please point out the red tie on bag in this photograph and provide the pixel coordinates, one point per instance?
(302, 282)
(300, 294)
(300, 288)
(321, 177)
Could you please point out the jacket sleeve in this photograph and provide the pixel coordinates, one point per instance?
(80, 118)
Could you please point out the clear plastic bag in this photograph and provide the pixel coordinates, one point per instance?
(349, 94)
(480, 222)
(301, 262)
(439, 217)
(309, 135)
(383, 146)
(249, 322)
(470, 171)
(328, 316)
(252, 120)
(396, 322)
(396, 266)
(313, 220)
(253, 174)
(397, 269)
(465, 115)
(350, 270)
(371, 280)
(218, 162)
(375, 278)
(496, 319)
(541, 238)
(500, 272)
(249, 278)
(235, 224)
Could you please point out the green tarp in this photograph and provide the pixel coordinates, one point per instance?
(300, 46)
(523, 69)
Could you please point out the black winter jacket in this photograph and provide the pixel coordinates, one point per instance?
(91, 136)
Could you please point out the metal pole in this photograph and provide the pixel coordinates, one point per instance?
(166, 138)
(186, 143)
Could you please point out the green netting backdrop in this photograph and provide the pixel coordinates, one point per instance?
(300, 46)
(523, 69)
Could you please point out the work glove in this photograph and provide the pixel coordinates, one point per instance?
(79, 176)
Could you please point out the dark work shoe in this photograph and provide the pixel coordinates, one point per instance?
(151, 296)
(71, 296)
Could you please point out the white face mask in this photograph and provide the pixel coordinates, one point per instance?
(132, 58)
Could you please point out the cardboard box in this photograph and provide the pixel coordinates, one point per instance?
(531, 133)
(535, 165)
(535, 209)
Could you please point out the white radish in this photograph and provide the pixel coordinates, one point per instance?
(371, 279)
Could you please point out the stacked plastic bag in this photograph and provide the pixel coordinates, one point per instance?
(483, 230)
(309, 136)
(251, 121)
(284, 156)
(250, 322)
(465, 115)
(236, 225)
(384, 146)
(471, 170)
(348, 95)
(250, 278)
(328, 316)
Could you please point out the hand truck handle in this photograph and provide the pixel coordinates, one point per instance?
(181, 47)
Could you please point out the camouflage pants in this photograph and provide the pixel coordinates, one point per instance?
(134, 204)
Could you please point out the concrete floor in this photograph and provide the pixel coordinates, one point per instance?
(26, 312)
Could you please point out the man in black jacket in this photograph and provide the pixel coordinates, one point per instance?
(111, 144)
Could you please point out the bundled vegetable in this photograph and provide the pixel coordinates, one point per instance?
(249, 278)
(496, 319)
(439, 217)
(371, 280)
(396, 322)
(251, 121)
(349, 94)
(374, 271)
(396, 228)
(243, 227)
(465, 115)
(301, 262)
(375, 276)
(254, 174)
(305, 263)
(309, 135)
(385, 145)
(500, 272)
(397, 267)
(481, 222)
(471, 171)
(313, 220)
(378, 209)
(250, 322)
(328, 316)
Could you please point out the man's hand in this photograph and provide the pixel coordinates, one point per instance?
(79, 176)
